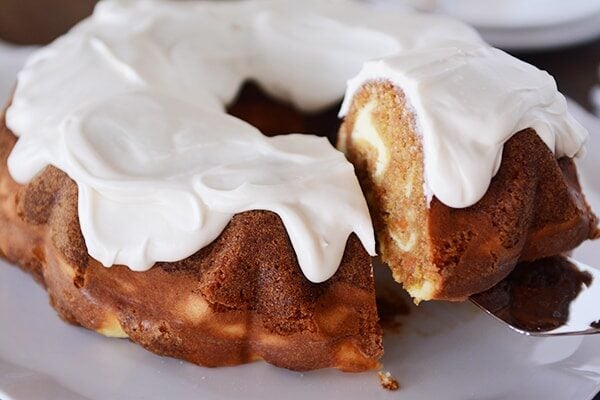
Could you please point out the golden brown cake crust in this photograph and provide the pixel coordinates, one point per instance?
(239, 299)
(533, 208)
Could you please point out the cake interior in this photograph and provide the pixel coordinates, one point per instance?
(533, 208)
(379, 119)
(378, 137)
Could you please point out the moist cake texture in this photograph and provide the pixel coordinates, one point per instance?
(533, 207)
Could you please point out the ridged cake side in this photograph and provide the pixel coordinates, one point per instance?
(533, 208)
(240, 299)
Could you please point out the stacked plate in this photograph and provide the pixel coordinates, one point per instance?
(519, 24)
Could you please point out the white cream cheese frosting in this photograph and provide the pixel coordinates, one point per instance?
(468, 99)
(131, 105)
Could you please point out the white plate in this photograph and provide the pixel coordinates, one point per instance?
(445, 351)
(519, 24)
(544, 37)
(518, 13)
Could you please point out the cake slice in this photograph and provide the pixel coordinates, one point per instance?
(532, 208)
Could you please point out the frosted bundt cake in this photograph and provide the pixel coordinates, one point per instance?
(147, 212)
(128, 160)
(465, 157)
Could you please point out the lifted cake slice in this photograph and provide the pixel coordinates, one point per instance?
(448, 247)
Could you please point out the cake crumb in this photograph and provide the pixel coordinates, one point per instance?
(388, 382)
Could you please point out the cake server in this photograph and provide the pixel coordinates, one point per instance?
(549, 297)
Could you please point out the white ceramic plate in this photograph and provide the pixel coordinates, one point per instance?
(519, 24)
(444, 351)
(545, 36)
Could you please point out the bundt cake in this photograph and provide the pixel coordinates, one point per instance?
(148, 212)
(464, 154)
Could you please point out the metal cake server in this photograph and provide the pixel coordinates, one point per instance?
(553, 296)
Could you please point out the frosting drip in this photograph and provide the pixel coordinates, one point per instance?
(468, 99)
(131, 105)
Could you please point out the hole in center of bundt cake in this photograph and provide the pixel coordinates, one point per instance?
(274, 117)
